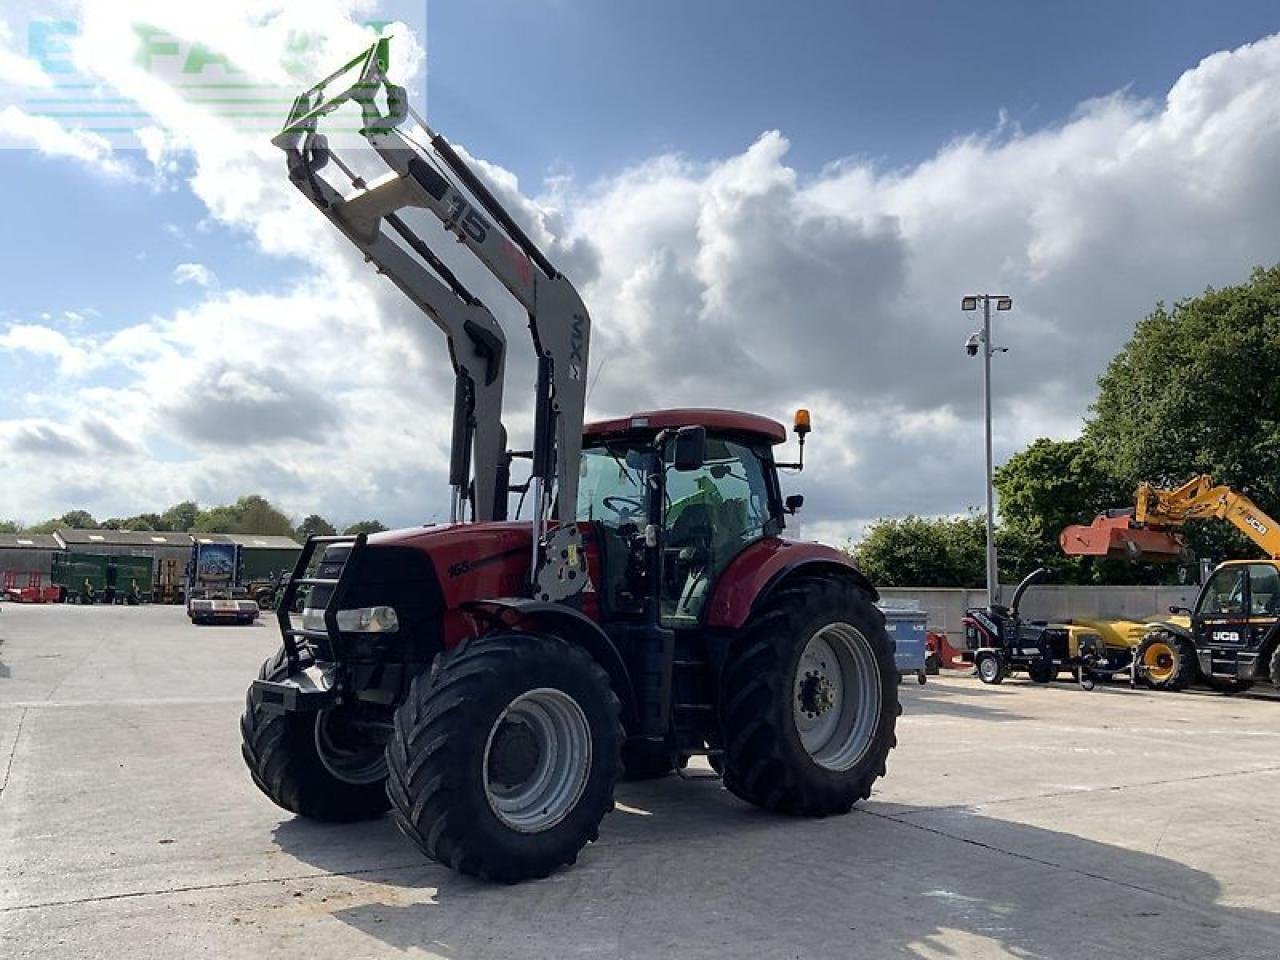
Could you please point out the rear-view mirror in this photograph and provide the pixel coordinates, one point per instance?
(690, 448)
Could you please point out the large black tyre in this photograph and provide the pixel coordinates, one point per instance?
(281, 752)
(646, 760)
(452, 744)
(1168, 661)
(1275, 667)
(773, 685)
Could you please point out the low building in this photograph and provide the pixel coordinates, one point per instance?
(22, 554)
(160, 545)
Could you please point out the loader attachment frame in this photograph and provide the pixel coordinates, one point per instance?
(433, 176)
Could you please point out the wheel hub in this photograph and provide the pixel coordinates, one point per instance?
(537, 760)
(514, 756)
(837, 696)
(817, 695)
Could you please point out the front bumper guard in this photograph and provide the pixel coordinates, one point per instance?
(307, 691)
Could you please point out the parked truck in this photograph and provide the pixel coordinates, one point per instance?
(215, 589)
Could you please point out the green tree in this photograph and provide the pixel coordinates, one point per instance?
(1197, 390)
(942, 552)
(249, 514)
(315, 525)
(78, 519)
(923, 552)
(146, 521)
(10, 526)
(1046, 487)
(181, 516)
(365, 526)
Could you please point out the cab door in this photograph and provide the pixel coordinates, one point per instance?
(1264, 613)
(709, 516)
(1221, 620)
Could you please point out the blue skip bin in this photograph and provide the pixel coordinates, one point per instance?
(907, 627)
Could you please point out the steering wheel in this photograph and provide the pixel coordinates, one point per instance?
(624, 507)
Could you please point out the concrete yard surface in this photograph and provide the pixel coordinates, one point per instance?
(1015, 821)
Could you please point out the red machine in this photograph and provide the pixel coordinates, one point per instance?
(33, 591)
(488, 681)
(1115, 534)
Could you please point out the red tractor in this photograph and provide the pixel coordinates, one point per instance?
(490, 679)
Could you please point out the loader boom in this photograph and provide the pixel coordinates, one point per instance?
(1151, 530)
(1200, 499)
(434, 177)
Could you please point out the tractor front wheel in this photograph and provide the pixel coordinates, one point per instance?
(809, 701)
(327, 765)
(1275, 668)
(1168, 662)
(504, 757)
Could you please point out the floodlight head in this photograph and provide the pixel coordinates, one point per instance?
(1004, 303)
(969, 303)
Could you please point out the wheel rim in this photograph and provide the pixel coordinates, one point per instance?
(351, 749)
(1160, 661)
(537, 759)
(836, 700)
(987, 668)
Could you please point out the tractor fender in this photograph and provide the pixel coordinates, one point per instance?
(1176, 629)
(759, 570)
(573, 626)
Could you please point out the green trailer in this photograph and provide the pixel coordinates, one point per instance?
(82, 576)
(132, 578)
(100, 577)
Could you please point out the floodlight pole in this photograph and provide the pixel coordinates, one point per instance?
(993, 575)
(1002, 303)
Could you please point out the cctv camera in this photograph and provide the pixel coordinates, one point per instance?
(971, 345)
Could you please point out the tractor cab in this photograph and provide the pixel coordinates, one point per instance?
(699, 485)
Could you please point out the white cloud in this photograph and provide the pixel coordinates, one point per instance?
(196, 273)
(72, 358)
(735, 282)
(21, 129)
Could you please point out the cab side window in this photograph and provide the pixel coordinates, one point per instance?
(1225, 592)
(710, 515)
(1264, 590)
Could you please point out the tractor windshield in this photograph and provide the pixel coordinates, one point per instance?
(611, 483)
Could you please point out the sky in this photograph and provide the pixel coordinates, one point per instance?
(763, 208)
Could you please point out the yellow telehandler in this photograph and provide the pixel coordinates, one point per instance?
(1232, 635)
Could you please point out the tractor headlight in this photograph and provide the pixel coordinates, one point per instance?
(362, 620)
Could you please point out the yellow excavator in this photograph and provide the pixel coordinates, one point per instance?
(1232, 635)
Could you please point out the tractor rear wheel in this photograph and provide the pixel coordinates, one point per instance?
(809, 701)
(323, 765)
(1168, 662)
(504, 756)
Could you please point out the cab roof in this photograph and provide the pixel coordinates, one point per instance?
(719, 421)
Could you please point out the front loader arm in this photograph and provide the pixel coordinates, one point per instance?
(439, 180)
(477, 345)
